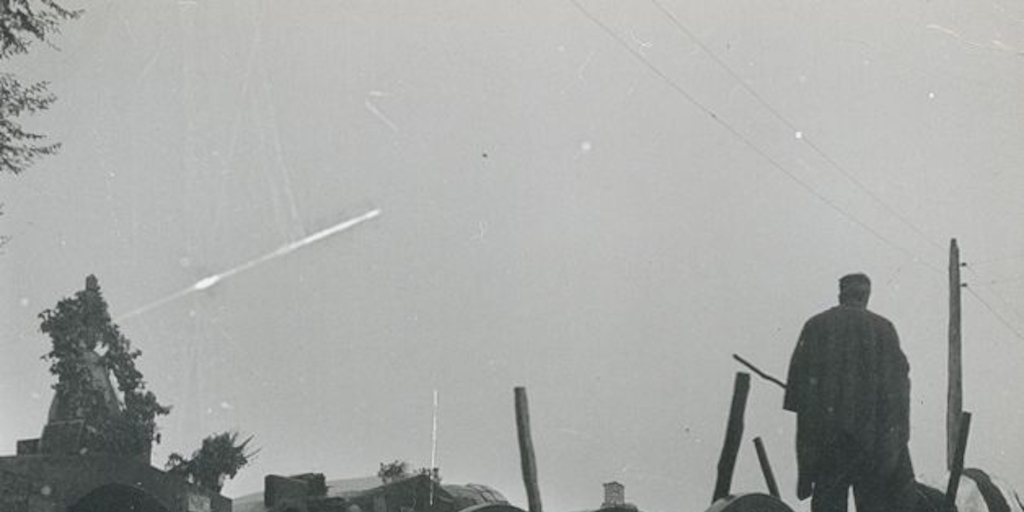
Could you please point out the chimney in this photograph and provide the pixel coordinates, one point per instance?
(614, 495)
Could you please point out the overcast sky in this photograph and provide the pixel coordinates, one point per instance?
(601, 201)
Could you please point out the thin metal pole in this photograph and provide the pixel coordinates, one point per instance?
(433, 452)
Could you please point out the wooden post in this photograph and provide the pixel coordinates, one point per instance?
(766, 468)
(526, 450)
(733, 436)
(958, 460)
(954, 393)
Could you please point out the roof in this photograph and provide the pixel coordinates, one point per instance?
(474, 494)
(335, 488)
(465, 495)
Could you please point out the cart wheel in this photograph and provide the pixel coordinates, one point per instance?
(492, 507)
(753, 502)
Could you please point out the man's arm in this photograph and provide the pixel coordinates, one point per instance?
(797, 376)
(896, 387)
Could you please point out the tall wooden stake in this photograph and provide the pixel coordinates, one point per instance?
(526, 450)
(954, 395)
(733, 436)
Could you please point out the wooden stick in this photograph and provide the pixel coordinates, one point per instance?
(964, 429)
(733, 435)
(758, 371)
(766, 467)
(526, 450)
(954, 392)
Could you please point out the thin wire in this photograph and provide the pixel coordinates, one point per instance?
(747, 142)
(994, 282)
(996, 294)
(996, 314)
(1015, 257)
(789, 124)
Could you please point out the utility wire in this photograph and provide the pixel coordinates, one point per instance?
(1014, 257)
(789, 124)
(994, 282)
(996, 295)
(842, 170)
(747, 142)
(996, 314)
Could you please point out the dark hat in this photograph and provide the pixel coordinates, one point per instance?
(858, 281)
(854, 286)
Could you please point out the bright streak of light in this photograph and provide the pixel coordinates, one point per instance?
(207, 282)
(211, 281)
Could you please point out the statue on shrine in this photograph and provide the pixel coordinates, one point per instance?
(87, 348)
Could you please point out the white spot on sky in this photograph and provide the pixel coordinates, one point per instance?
(35, 396)
(867, 62)
(931, 95)
(582, 67)
(23, 301)
(184, 261)
(192, 313)
(641, 44)
(380, 115)
(207, 282)
(585, 148)
(632, 88)
(561, 48)
(482, 230)
(226, 406)
(799, 135)
(994, 44)
(46, 490)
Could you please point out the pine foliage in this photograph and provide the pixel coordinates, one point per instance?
(23, 23)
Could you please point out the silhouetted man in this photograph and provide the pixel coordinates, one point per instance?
(849, 385)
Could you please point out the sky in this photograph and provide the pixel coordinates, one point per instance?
(600, 201)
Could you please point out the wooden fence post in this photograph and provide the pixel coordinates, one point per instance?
(766, 468)
(733, 436)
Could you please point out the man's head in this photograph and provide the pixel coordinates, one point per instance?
(854, 290)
